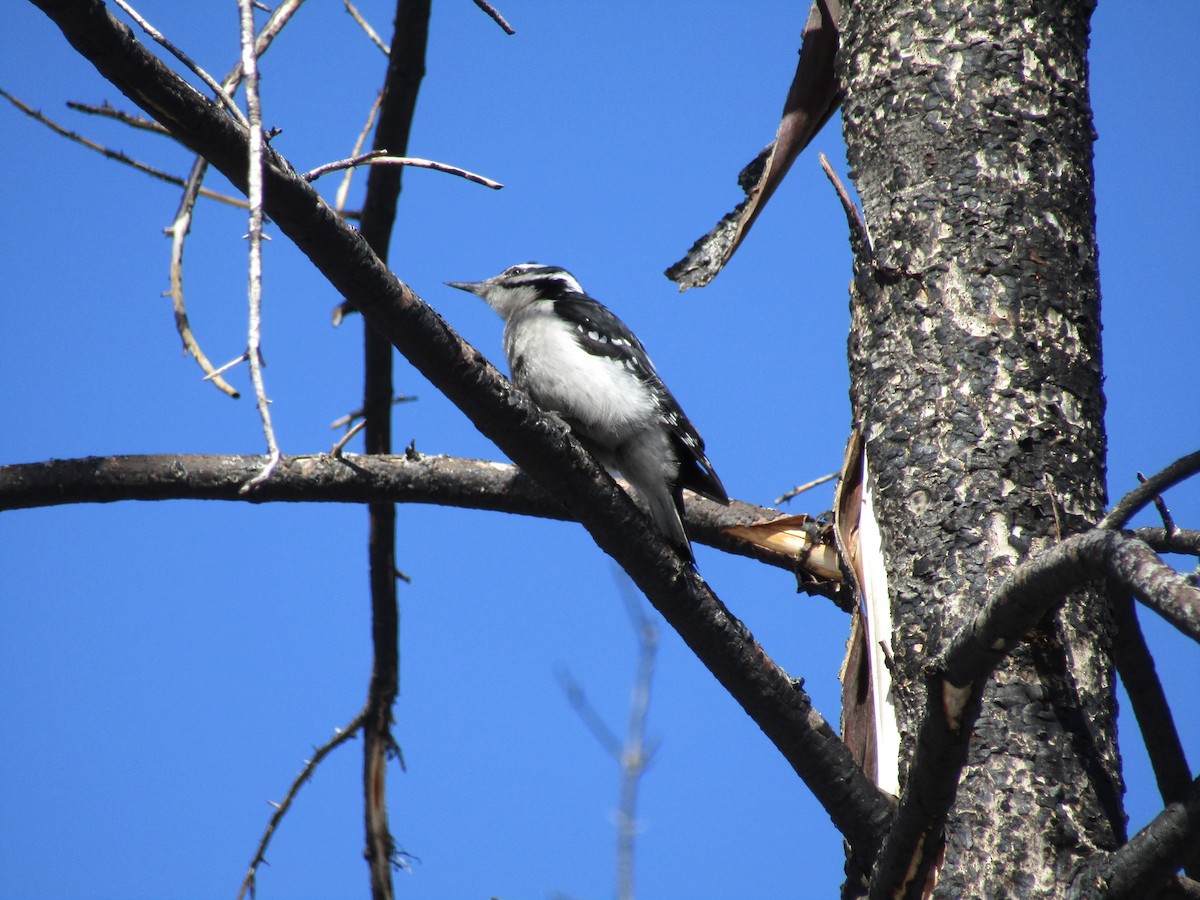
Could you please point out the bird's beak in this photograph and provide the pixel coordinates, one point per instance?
(473, 287)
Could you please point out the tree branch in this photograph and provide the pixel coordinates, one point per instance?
(536, 442)
(957, 677)
(1119, 516)
(1135, 665)
(281, 808)
(1152, 856)
(345, 478)
(398, 99)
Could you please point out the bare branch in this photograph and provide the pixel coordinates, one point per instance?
(807, 486)
(108, 111)
(178, 231)
(366, 27)
(1178, 540)
(954, 690)
(116, 155)
(1152, 856)
(344, 188)
(1135, 665)
(281, 809)
(380, 157)
(182, 224)
(860, 237)
(254, 194)
(158, 36)
(350, 478)
(1040, 584)
(397, 106)
(495, 14)
(345, 438)
(635, 756)
(587, 713)
(1119, 516)
(1161, 506)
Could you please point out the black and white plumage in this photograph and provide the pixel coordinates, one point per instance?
(575, 358)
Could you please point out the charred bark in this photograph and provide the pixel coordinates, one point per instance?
(976, 380)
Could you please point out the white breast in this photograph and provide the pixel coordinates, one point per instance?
(598, 394)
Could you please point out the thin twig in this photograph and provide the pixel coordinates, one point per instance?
(858, 226)
(178, 230)
(229, 365)
(366, 26)
(254, 194)
(1161, 506)
(587, 713)
(339, 737)
(635, 757)
(222, 94)
(108, 111)
(343, 190)
(114, 154)
(797, 491)
(358, 413)
(181, 226)
(1119, 516)
(380, 157)
(495, 14)
(341, 445)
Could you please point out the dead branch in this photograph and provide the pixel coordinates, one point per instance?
(366, 27)
(254, 193)
(348, 478)
(954, 688)
(281, 808)
(1151, 857)
(495, 15)
(108, 111)
(381, 158)
(398, 97)
(860, 237)
(807, 486)
(1119, 516)
(160, 38)
(1135, 666)
(116, 155)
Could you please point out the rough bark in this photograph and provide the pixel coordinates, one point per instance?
(976, 378)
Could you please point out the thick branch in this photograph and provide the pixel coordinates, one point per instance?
(958, 676)
(1039, 585)
(1135, 665)
(1154, 854)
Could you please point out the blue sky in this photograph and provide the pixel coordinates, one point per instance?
(169, 666)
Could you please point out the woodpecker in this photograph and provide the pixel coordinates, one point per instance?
(576, 359)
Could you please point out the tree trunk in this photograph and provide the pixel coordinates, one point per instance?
(976, 378)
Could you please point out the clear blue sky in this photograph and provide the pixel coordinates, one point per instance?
(169, 666)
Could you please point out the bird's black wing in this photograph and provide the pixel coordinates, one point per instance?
(600, 332)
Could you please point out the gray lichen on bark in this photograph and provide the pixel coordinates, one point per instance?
(976, 376)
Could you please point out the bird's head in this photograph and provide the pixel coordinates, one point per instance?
(518, 286)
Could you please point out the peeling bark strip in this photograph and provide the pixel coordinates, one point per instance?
(975, 376)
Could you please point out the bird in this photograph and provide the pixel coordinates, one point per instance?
(577, 360)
